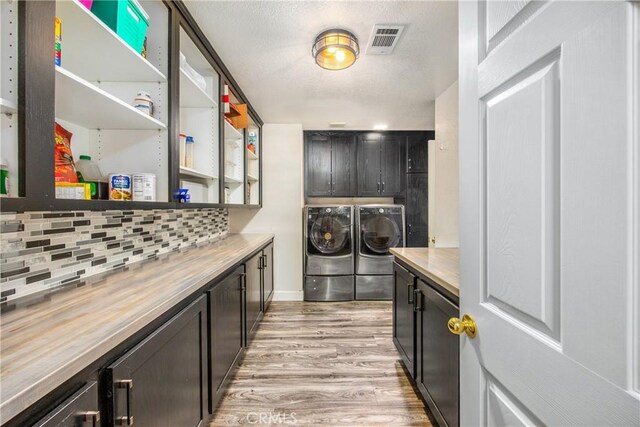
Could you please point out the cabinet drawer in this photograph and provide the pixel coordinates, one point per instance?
(79, 410)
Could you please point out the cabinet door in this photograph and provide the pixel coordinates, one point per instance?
(392, 167)
(417, 153)
(369, 165)
(79, 410)
(161, 382)
(225, 332)
(253, 296)
(404, 316)
(267, 277)
(343, 170)
(318, 165)
(437, 355)
(416, 210)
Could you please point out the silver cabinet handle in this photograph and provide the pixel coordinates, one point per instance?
(128, 419)
(92, 417)
(378, 187)
(417, 300)
(383, 186)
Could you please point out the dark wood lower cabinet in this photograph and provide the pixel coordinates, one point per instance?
(79, 410)
(404, 318)
(225, 338)
(253, 296)
(437, 354)
(267, 277)
(427, 348)
(174, 375)
(162, 381)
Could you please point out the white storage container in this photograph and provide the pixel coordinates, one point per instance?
(144, 187)
(89, 169)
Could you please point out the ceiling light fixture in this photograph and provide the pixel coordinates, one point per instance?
(335, 49)
(380, 127)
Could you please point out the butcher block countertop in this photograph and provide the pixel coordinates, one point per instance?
(442, 265)
(47, 342)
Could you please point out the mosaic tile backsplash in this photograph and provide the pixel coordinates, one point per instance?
(45, 250)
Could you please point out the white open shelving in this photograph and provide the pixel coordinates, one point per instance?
(192, 173)
(251, 155)
(199, 119)
(87, 105)
(7, 107)
(191, 95)
(232, 180)
(109, 59)
(232, 134)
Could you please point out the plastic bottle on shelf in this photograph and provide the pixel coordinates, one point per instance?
(58, 41)
(183, 149)
(188, 158)
(88, 170)
(4, 178)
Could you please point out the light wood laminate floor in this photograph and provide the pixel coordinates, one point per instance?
(331, 364)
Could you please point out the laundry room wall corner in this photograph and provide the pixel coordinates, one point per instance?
(282, 203)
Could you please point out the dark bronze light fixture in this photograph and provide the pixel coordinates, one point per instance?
(336, 49)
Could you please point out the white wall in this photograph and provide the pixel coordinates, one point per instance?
(444, 223)
(282, 202)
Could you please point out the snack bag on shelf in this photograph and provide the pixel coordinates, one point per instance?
(65, 170)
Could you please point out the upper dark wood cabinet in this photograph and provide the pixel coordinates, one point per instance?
(417, 151)
(318, 165)
(416, 209)
(369, 183)
(343, 170)
(162, 380)
(392, 172)
(380, 162)
(330, 165)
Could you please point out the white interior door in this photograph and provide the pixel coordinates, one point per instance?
(549, 212)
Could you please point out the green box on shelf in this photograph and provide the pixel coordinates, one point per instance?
(126, 18)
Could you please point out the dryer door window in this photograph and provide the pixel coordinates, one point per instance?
(330, 235)
(379, 233)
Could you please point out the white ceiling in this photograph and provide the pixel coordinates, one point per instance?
(267, 47)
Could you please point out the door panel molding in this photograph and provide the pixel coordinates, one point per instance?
(543, 33)
(522, 192)
(504, 409)
(504, 17)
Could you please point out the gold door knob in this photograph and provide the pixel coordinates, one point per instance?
(467, 325)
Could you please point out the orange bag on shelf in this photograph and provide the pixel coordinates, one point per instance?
(65, 170)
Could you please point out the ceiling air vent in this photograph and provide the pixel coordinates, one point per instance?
(384, 39)
(337, 124)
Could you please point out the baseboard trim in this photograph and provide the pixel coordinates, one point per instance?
(288, 296)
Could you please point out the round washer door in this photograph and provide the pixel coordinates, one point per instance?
(329, 234)
(380, 233)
